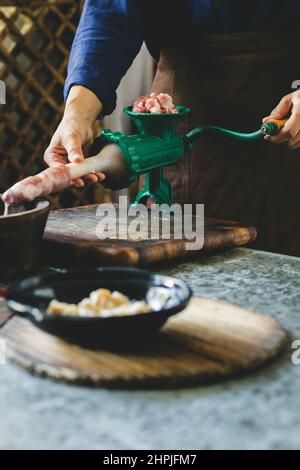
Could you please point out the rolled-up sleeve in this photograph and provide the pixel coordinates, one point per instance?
(108, 38)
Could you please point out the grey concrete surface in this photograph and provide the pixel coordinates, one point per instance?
(261, 411)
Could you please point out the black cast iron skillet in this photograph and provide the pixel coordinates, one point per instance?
(31, 296)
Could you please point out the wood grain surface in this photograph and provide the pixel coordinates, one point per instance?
(209, 341)
(71, 239)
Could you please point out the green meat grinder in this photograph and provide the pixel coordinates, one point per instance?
(157, 145)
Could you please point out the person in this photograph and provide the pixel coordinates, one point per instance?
(233, 64)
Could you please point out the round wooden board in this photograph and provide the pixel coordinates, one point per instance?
(209, 341)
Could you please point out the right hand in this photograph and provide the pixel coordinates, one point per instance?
(75, 134)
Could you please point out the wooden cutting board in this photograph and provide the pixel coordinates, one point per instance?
(209, 341)
(70, 239)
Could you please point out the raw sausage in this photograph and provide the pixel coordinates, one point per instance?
(49, 181)
(110, 161)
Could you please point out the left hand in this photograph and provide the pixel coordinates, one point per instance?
(290, 133)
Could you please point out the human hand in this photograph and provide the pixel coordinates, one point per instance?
(290, 133)
(75, 134)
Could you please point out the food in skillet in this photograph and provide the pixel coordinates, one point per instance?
(100, 303)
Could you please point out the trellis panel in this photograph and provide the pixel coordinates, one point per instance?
(35, 41)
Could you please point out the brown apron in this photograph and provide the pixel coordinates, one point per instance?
(233, 81)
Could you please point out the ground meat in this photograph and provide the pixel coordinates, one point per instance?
(161, 103)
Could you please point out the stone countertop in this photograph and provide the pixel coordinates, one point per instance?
(261, 411)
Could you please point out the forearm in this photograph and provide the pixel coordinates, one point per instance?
(108, 38)
(82, 101)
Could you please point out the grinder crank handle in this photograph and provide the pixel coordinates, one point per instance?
(271, 127)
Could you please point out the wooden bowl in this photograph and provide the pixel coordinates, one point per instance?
(21, 234)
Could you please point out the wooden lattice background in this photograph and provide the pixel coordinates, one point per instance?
(35, 41)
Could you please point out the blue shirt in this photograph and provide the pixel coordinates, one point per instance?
(111, 32)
